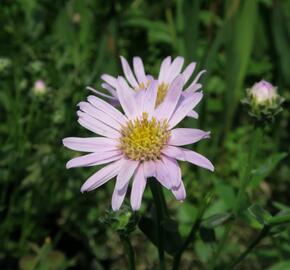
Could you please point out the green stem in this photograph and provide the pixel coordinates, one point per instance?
(263, 233)
(160, 206)
(129, 250)
(191, 236)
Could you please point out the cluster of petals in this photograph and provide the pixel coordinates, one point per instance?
(137, 78)
(107, 122)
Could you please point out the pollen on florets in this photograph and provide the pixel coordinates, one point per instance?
(142, 86)
(143, 139)
(161, 93)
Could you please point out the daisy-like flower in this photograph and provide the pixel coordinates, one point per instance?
(138, 80)
(143, 142)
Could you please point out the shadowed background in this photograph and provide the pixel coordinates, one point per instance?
(45, 222)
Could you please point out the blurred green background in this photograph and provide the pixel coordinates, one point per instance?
(45, 222)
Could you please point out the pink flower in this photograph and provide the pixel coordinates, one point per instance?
(143, 142)
(138, 80)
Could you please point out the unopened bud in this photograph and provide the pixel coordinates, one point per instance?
(263, 101)
(39, 88)
(263, 92)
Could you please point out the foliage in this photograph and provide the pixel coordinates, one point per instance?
(47, 224)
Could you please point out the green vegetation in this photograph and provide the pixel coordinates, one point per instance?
(234, 218)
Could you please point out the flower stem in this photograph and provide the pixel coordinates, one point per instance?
(263, 233)
(191, 236)
(129, 250)
(161, 212)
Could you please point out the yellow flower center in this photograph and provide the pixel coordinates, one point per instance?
(143, 139)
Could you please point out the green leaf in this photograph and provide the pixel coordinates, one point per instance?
(157, 30)
(280, 266)
(261, 215)
(207, 235)
(281, 38)
(216, 220)
(28, 262)
(266, 168)
(172, 238)
(240, 34)
(283, 217)
(187, 213)
(226, 193)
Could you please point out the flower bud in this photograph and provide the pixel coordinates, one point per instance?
(263, 101)
(39, 88)
(263, 92)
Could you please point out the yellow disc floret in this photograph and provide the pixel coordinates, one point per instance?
(143, 139)
(141, 86)
(161, 93)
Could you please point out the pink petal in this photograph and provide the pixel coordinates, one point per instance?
(166, 108)
(189, 90)
(140, 97)
(162, 174)
(107, 108)
(126, 172)
(179, 192)
(150, 78)
(188, 72)
(139, 70)
(174, 172)
(193, 114)
(138, 188)
(183, 136)
(96, 126)
(118, 197)
(99, 115)
(128, 72)
(149, 168)
(164, 69)
(188, 155)
(94, 159)
(184, 106)
(175, 69)
(94, 144)
(102, 176)
(109, 80)
(111, 90)
(100, 93)
(197, 78)
(126, 98)
(150, 98)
